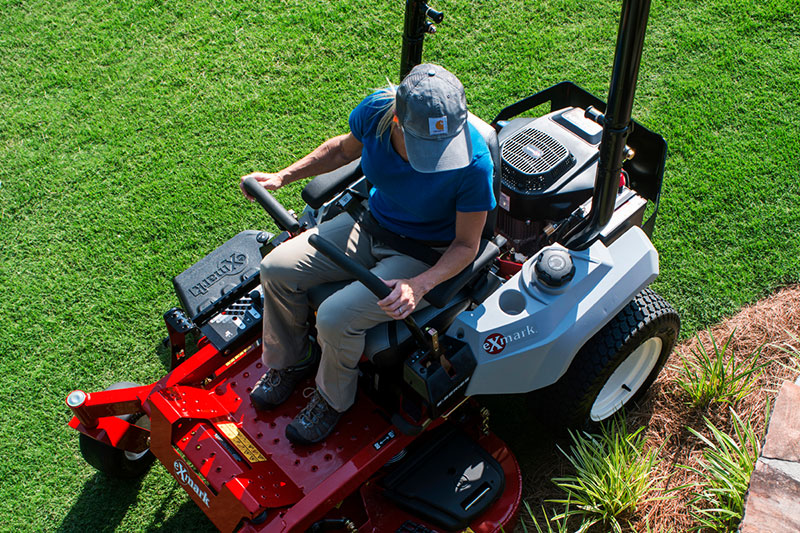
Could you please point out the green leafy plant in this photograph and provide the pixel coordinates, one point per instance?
(613, 475)
(725, 471)
(553, 524)
(718, 377)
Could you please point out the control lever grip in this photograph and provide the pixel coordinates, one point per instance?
(358, 271)
(273, 207)
(370, 280)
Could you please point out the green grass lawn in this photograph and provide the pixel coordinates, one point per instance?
(124, 127)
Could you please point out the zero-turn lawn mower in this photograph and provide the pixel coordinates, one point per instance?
(557, 303)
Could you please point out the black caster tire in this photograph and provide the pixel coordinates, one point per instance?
(114, 462)
(615, 367)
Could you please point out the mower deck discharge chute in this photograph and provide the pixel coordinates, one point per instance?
(556, 305)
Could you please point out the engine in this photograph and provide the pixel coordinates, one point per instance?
(548, 170)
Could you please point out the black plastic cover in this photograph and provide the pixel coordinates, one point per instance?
(555, 268)
(448, 482)
(441, 390)
(204, 283)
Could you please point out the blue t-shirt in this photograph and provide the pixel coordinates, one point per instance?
(416, 204)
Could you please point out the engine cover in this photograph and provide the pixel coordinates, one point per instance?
(532, 161)
(548, 164)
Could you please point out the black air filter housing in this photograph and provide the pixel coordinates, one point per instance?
(548, 164)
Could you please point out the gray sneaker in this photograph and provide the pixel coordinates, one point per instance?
(314, 423)
(276, 386)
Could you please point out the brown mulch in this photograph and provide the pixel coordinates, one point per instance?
(768, 325)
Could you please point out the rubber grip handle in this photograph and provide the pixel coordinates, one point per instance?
(273, 207)
(359, 272)
(370, 281)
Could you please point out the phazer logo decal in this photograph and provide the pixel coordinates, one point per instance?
(182, 474)
(497, 342)
(226, 267)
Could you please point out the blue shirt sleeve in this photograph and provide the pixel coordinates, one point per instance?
(366, 115)
(475, 192)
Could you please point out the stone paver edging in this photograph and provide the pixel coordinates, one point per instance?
(773, 499)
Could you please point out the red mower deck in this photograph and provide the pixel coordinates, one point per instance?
(241, 470)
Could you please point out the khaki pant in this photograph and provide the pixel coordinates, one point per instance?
(343, 318)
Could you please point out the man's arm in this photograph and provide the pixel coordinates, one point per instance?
(407, 293)
(330, 155)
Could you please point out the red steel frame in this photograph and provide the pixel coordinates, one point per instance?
(235, 462)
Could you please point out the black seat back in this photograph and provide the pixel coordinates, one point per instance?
(490, 136)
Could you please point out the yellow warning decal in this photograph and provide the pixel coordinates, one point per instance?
(241, 442)
(238, 356)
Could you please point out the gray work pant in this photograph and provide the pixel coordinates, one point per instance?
(343, 318)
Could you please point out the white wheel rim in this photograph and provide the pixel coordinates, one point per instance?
(144, 423)
(132, 456)
(627, 379)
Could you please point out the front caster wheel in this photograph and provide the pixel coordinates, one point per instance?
(114, 462)
(616, 366)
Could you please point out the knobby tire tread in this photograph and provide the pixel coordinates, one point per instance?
(570, 399)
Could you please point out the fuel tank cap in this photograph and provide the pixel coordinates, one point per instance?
(555, 268)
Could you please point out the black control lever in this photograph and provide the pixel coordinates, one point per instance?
(370, 281)
(273, 207)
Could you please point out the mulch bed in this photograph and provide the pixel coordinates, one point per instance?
(768, 325)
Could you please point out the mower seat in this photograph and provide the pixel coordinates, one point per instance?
(387, 342)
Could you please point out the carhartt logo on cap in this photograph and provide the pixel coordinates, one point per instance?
(437, 126)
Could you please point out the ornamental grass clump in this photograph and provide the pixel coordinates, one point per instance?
(719, 377)
(614, 474)
(793, 353)
(553, 524)
(717, 503)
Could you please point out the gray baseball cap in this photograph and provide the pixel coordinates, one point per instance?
(432, 110)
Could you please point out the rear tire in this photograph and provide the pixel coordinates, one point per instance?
(112, 461)
(615, 367)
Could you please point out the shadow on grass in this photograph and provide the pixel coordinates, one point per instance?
(535, 446)
(102, 505)
(188, 517)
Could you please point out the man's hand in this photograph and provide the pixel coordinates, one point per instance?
(270, 182)
(404, 298)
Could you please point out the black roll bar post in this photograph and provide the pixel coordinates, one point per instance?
(415, 27)
(616, 121)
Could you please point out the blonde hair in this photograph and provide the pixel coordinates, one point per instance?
(388, 110)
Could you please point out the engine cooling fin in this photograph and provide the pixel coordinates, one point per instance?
(532, 161)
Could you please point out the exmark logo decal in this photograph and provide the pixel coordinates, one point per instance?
(182, 474)
(226, 267)
(497, 342)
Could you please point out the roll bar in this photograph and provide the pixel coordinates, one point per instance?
(616, 121)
